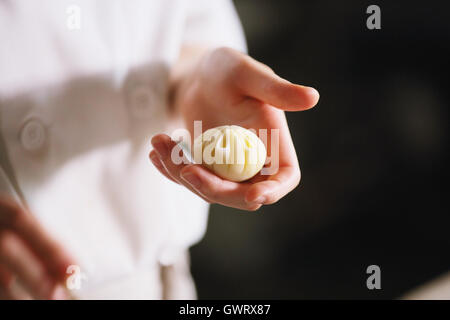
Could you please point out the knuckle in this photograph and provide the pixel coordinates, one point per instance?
(237, 67)
(224, 52)
(221, 51)
(235, 64)
(266, 67)
(221, 56)
(240, 66)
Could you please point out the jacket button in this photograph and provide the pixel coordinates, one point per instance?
(141, 100)
(32, 135)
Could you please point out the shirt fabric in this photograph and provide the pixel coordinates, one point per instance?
(83, 87)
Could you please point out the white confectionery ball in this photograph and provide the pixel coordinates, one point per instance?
(232, 152)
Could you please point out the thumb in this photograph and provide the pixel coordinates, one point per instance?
(260, 82)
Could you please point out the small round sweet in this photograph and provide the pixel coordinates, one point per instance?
(231, 152)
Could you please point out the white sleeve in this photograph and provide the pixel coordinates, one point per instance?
(213, 23)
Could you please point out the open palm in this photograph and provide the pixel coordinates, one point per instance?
(230, 88)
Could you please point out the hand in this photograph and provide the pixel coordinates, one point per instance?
(29, 257)
(228, 87)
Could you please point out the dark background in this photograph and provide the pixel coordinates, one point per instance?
(373, 155)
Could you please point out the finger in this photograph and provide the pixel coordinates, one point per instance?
(228, 193)
(163, 146)
(46, 249)
(15, 256)
(157, 163)
(275, 187)
(200, 180)
(260, 82)
(286, 171)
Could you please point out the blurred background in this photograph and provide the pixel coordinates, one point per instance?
(373, 155)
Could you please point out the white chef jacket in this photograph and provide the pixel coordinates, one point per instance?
(83, 87)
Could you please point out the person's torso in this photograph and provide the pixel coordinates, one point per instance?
(83, 87)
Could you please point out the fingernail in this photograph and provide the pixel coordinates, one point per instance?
(161, 149)
(59, 293)
(155, 160)
(192, 179)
